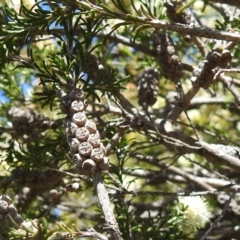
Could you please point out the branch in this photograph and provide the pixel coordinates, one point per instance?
(159, 177)
(182, 143)
(220, 216)
(228, 2)
(106, 206)
(159, 24)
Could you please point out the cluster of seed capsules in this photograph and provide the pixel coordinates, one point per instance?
(218, 57)
(87, 151)
(171, 66)
(148, 87)
(28, 123)
(8, 213)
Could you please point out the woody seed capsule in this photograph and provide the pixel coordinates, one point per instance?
(89, 166)
(104, 164)
(91, 126)
(73, 144)
(97, 155)
(71, 129)
(79, 118)
(85, 149)
(3, 206)
(94, 139)
(78, 160)
(82, 134)
(63, 108)
(6, 198)
(76, 94)
(77, 106)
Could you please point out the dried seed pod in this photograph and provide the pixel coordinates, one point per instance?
(73, 144)
(82, 134)
(226, 55)
(6, 198)
(89, 166)
(91, 126)
(85, 149)
(54, 125)
(63, 108)
(97, 155)
(54, 194)
(12, 210)
(171, 66)
(104, 164)
(46, 124)
(60, 93)
(66, 100)
(215, 56)
(3, 206)
(76, 94)
(79, 118)
(77, 106)
(148, 87)
(78, 160)
(18, 219)
(94, 139)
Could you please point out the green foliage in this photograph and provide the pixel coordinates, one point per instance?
(103, 47)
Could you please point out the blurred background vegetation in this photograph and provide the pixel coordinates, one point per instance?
(136, 76)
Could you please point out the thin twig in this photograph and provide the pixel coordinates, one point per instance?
(159, 24)
(104, 201)
(220, 216)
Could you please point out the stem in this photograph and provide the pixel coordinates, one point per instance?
(104, 201)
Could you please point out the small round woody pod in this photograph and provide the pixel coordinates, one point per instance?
(54, 194)
(104, 164)
(82, 134)
(73, 144)
(85, 149)
(66, 100)
(77, 106)
(3, 206)
(94, 139)
(12, 210)
(89, 166)
(63, 108)
(76, 94)
(77, 160)
(18, 219)
(91, 126)
(6, 198)
(226, 54)
(97, 155)
(79, 118)
(71, 129)
(215, 56)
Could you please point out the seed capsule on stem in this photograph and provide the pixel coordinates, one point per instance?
(82, 134)
(91, 126)
(79, 118)
(77, 106)
(76, 94)
(104, 164)
(71, 129)
(78, 160)
(89, 166)
(85, 149)
(73, 144)
(94, 139)
(97, 155)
